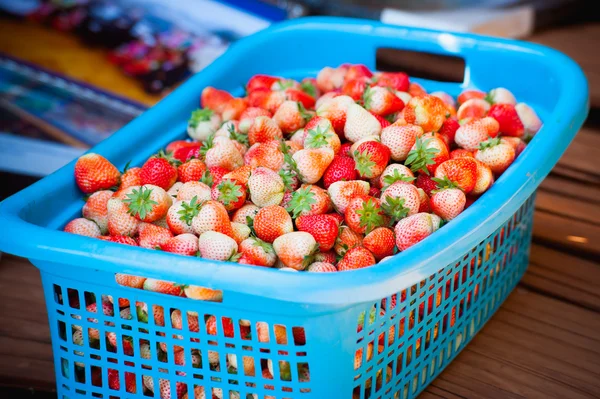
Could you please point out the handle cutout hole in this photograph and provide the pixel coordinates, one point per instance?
(441, 68)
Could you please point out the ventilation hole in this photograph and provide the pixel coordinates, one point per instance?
(58, 298)
(64, 367)
(62, 330)
(73, 295)
(280, 334)
(228, 329)
(262, 332)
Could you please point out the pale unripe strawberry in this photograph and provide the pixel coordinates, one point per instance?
(264, 129)
(404, 96)
(83, 227)
(400, 200)
(396, 172)
(445, 97)
(180, 215)
(501, 95)
(193, 189)
(266, 187)
(120, 222)
(224, 153)
(312, 163)
(216, 246)
(400, 139)
(529, 118)
(471, 134)
(320, 133)
(484, 179)
(203, 293)
(295, 249)
(95, 209)
(202, 124)
(321, 267)
(342, 191)
(258, 252)
(413, 229)
(182, 244)
(174, 190)
(247, 210)
(152, 236)
(329, 79)
(448, 203)
(212, 216)
(290, 117)
(336, 110)
(497, 154)
(473, 108)
(360, 123)
(241, 231)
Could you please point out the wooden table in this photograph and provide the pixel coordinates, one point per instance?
(544, 342)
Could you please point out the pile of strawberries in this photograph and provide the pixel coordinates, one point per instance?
(326, 174)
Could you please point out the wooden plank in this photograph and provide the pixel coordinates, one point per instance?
(555, 184)
(566, 233)
(582, 154)
(568, 207)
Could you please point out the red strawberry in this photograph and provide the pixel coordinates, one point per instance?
(374, 192)
(267, 155)
(427, 153)
(214, 99)
(394, 80)
(177, 144)
(131, 177)
(120, 222)
(425, 205)
(496, 154)
(186, 153)
(416, 90)
(380, 242)
(152, 236)
(217, 246)
(261, 82)
(469, 94)
(357, 71)
(163, 287)
(183, 244)
(233, 109)
(326, 257)
(425, 183)
(295, 249)
(395, 172)
(364, 213)
(400, 200)
(449, 128)
(309, 200)
(83, 227)
(264, 129)
(356, 258)
(95, 209)
(321, 267)
(266, 187)
(382, 121)
(320, 133)
(371, 159)
(360, 123)
(508, 118)
(323, 228)
(214, 175)
(311, 163)
(341, 168)
(400, 139)
(460, 153)
(114, 383)
(429, 112)
(257, 252)
(355, 88)
(230, 193)
(120, 240)
(413, 229)
(461, 171)
(299, 96)
(347, 239)
(271, 222)
(160, 171)
(148, 203)
(267, 99)
(474, 108)
(341, 192)
(484, 180)
(382, 101)
(192, 170)
(212, 216)
(448, 203)
(336, 111)
(93, 172)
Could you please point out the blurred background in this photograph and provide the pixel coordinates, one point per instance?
(74, 71)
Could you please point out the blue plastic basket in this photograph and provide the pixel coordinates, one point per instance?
(418, 309)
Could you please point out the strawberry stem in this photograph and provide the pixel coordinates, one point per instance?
(371, 216)
(489, 143)
(229, 191)
(394, 207)
(388, 180)
(421, 156)
(139, 202)
(200, 115)
(301, 201)
(317, 138)
(190, 210)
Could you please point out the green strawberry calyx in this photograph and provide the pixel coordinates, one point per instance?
(207, 145)
(388, 180)
(364, 164)
(139, 202)
(367, 97)
(235, 256)
(310, 257)
(371, 215)
(317, 138)
(229, 191)
(309, 88)
(189, 210)
(169, 157)
(207, 178)
(239, 137)
(288, 160)
(200, 115)
(421, 156)
(394, 208)
(303, 112)
(443, 183)
(489, 143)
(265, 246)
(288, 178)
(302, 200)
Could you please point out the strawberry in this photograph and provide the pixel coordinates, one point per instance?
(290, 116)
(461, 171)
(163, 287)
(424, 205)
(381, 101)
(184, 154)
(394, 80)
(469, 94)
(257, 252)
(214, 99)
(177, 144)
(240, 175)
(371, 159)
(266, 187)
(516, 143)
(193, 189)
(425, 183)
(496, 154)
(341, 192)
(148, 203)
(501, 95)
(426, 154)
(233, 109)
(264, 129)
(471, 134)
(128, 280)
(249, 115)
(329, 79)
(320, 133)
(131, 177)
(95, 208)
(120, 222)
(360, 123)
(311, 163)
(357, 71)
(214, 175)
(449, 128)
(271, 222)
(114, 383)
(299, 96)
(355, 88)
(356, 258)
(241, 231)
(508, 119)
(159, 170)
(83, 227)
(295, 249)
(183, 244)
(217, 246)
(382, 121)
(267, 155)
(400, 200)
(448, 202)
(203, 293)
(192, 321)
(461, 153)
(364, 213)
(309, 86)
(341, 168)
(248, 210)
(529, 118)
(323, 228)
(269, 100)
(474, 108)
(393, 173)
(230, 193)
(321, 267)
(336, 111)
(223, 152)
(120, 240)
(93, 173)
(309, 200)
(445, 97)
(191, 170)
(347, 239)
(203, 123)
(212, 216)
(380, 242)
(484, 179)
(400, 139)
(326, 257)
(413, 229)
(152, 236)
(261, 82)
(427, 111)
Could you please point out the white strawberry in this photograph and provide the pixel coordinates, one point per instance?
(217, 246)
(529, 118)
(266, 187)
(312, 163)
(241, 231)
(501, 95)
(224, 153)
(360, 123)
(193, 189)
(202, 124)
(341, 192)
(400, 139)
(295, 249)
